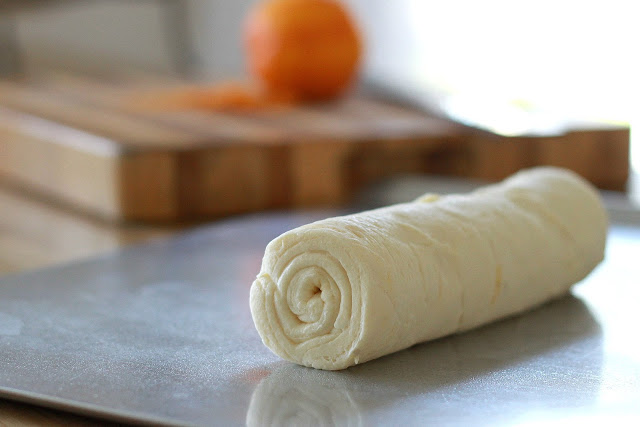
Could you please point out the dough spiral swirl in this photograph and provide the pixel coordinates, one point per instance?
(310, 304)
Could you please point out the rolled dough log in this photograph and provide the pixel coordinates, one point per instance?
(346, 290)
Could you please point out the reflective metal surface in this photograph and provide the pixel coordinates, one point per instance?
(162, 333)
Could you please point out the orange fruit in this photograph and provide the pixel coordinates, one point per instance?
(306, 49)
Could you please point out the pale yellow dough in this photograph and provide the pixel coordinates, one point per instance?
(346, 290)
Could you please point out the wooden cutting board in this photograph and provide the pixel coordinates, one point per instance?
(75, 140)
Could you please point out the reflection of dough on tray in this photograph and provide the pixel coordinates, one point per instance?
(291, 401)
(345, 290)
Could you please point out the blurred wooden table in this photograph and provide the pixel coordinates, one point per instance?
(36, 233)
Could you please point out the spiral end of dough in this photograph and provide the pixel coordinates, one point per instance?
(301, 303)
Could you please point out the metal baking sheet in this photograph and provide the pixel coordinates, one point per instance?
(162, 334)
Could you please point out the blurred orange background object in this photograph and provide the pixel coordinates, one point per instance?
(297, 51)
(307, 49)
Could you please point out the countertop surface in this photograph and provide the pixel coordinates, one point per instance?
(162, 333)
